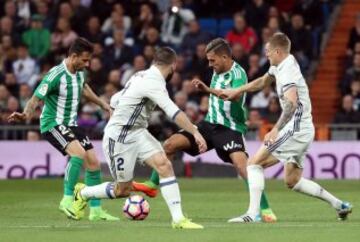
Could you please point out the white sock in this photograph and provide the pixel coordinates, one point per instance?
(256, 182)
(313, 189)
(104, 190)
(171, 193)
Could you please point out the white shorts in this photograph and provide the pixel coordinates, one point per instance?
(122, 157)
(292, 146)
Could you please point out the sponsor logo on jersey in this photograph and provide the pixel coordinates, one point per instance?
(231, 145)
(43, 89)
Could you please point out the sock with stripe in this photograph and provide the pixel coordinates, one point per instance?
(264, 204)
(104, 190)
(93, 178)
(256, 181)
(171, 194)
(72, 173)
(311, 188)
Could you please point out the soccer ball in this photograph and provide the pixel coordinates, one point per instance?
(136, 208)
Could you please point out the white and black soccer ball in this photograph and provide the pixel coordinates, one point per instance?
(136, 208)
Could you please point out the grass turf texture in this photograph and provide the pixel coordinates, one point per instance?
(29, 212)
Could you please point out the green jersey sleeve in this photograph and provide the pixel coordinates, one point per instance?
(46, 86)
(239, 79)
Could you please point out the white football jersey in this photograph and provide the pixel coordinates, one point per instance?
(288, 74)
(134, 104)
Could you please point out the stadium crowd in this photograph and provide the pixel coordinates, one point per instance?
(35, 35)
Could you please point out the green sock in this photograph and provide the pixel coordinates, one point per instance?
(264, 204)
(154, 178)
(93, 178)
(72, 173)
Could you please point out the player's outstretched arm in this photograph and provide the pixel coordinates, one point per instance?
(201, 86)
(92, 97)
(27, 113)
(183, 122)
(255, 85)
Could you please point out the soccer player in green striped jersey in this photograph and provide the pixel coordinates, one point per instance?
(224, 125)
(61, 90)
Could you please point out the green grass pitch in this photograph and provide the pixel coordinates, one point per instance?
(28, 212)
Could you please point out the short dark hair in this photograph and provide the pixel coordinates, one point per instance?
(280, 40)
(219, 46)
(81, 45)
(164, 56)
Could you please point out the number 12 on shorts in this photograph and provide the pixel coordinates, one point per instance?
(119, 164)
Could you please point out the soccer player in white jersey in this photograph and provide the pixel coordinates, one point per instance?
(61, 90)
(127, 141)
(290, 137)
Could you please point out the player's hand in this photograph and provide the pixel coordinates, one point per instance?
(17, 117)
(271, 137)
(230, 94)
(200, 86)
(200, 142)
(106, 107)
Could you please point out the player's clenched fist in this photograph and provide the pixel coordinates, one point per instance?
(16, 117)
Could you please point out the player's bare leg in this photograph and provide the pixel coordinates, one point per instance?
(239, 160)
(175, 143)
(294, 180)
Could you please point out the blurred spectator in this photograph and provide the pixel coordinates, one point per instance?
(256, 13)
(11, 84)
(199, 64)
(42, 9)
(117, 21)
(62, 38)
(10, 11)
(242, 34)
(273, 111)
(24, 68)
(144, 21)
(174, 85)
(7, 28)
(192, 111)
(355, 93)
(25, 94)
(351, 73)
(274, 25)
(37, 38)
(181, 99)
(109, 90)
(190, 91)
(262, 99)
(4, 96)
(254, 70)
(181, 65)
(240, 56)
(254, 120)
(65, 11)
(265, 36)
(92, 32)
(301, 41)
(114, 78)
(148, 53)
(175, 20)
(33, 135)
(24, 9)
(152, 38)
(139, 64)
(88, 116)
(119, 53)
(204, 105)
(194, 37)
(80, 16)
(347, 114)
(9, 53)
(97, 75)
(312, 12)
(354, 36)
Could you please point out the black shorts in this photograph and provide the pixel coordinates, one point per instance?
(60, 136)
(224, 140)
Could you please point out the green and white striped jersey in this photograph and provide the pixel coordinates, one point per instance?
(231, 114)
(61, 92)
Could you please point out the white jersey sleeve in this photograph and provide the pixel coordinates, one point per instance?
(160, 96)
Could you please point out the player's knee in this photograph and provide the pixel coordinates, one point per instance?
(169, 147)
(164, 167)
(122, 191)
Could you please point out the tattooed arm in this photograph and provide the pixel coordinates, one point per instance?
(290, 98)
(290, 105)
(28, 111)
